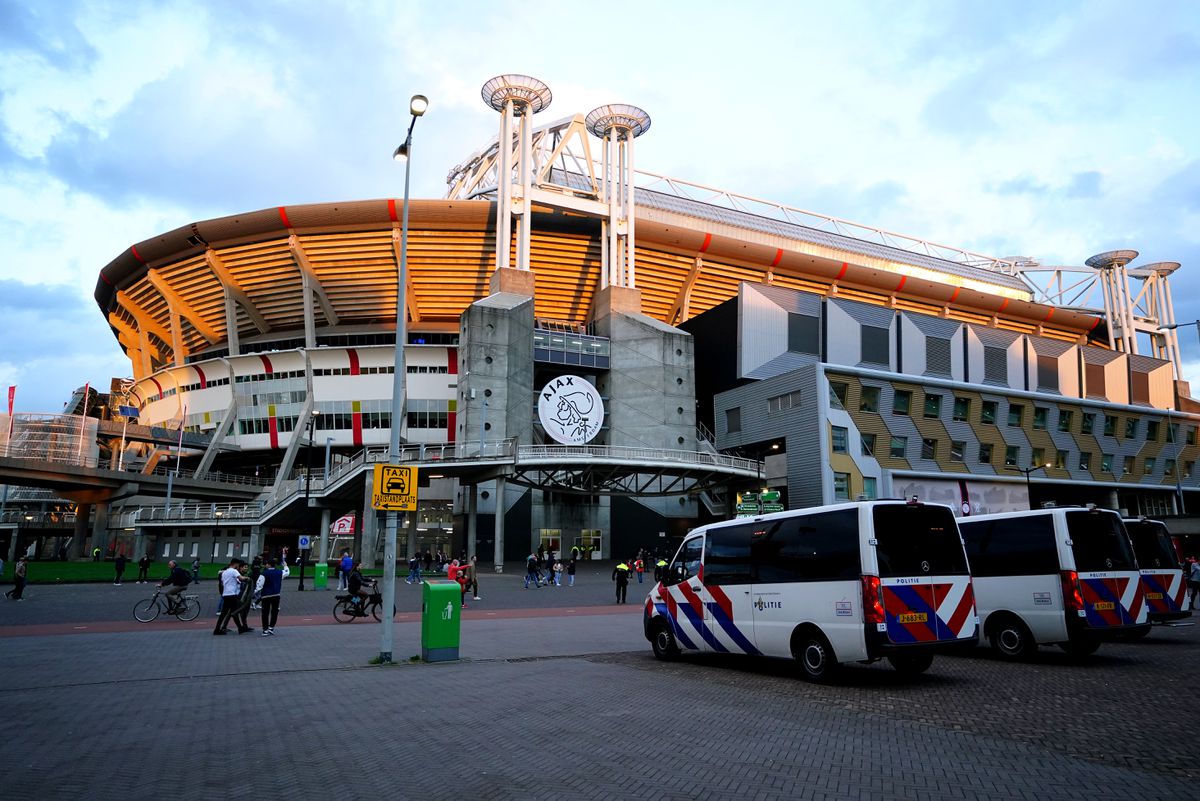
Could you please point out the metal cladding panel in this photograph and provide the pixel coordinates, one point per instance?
(995, 337)
(933, 326)
(783, 363)
(762, 330)
(1043, 346)
(865, 313)
(790, 300)
(1101, 356)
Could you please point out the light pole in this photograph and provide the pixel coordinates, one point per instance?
(312, 422)
(1174, 437)
(416, 107)
(1028, 483)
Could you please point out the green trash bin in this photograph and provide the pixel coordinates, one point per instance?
(321, 577)
(440, 620)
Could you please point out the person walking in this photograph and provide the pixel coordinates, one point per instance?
(557, 572)
(17, 593)
(458, 574)
(414, 570)
(620, 575)
(1194, 580)
(639, 567)
(660, 569)
(96, 554)
(531, 572)
(143, 569)
(119, 567)
(571, 572)
(231, 584)
(346, 566)
(269, 588)
(256, 568)
(196, 570)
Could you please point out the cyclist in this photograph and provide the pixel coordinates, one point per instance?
(175, 582)
(358, 587)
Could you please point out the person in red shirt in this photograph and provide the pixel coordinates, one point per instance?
(640, 567)
(456, 572)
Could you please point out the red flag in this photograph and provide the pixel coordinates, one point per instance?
(12, 394)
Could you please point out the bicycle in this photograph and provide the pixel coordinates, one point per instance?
(185, 607)
(347, 610)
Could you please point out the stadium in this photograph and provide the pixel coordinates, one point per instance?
(593, 356)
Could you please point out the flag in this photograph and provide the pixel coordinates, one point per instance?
(128, 411)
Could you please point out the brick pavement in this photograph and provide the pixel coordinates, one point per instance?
(576, 705)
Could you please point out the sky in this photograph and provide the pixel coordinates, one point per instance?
(1053, 130)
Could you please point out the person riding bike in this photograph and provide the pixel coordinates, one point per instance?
(359, 588)
(175, 582)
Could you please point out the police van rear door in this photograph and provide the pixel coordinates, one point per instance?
(926, 585)
(1109, 580)
(1162, 578)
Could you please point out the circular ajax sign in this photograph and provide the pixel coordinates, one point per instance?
(571, 410)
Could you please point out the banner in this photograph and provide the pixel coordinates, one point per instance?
(12, 395)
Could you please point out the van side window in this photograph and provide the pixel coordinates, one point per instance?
(687, 561)
(727, 555)
(1015, 546)
(1099, 542)
(817, 547)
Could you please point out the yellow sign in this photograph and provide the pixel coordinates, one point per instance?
(395, 488)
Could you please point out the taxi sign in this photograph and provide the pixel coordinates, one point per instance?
(394, 488)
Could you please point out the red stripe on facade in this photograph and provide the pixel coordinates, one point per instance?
(356, 428)
(266, 364)
(354, 368)
(274, 428)
(203, 380)
(707, 242)
(104, 278)
(451, 425)
(954, 297)
(1093, 328)
(900, 285)
(159, 386)
(1003, 306)
(283, 218)
(136, 255)
(392, 209)
(452, 360)
(1049, 314)
(845, 267)
(778, 257)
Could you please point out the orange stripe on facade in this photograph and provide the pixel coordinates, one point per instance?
(392, 210)
(900, 285)
(845, 267)
(356, 422)
(1003, 306)
(136, 255)
(954, 297)
(1049, 314)
(707, 242)
(778, 257)
(284, 218)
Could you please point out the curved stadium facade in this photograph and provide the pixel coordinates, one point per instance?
(849, 365)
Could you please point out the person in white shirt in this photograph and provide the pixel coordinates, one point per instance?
(231, 579)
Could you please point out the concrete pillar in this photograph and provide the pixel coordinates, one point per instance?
(472, 518)
(370, 538)
(83, 511)
(410, 531)
(100, 529)
(12, 545)
(139, 543)
(323, 551)
(255, 541)
(365, 520)
(499, 559)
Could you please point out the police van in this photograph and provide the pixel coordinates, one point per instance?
(1063, 576)
(1163, 581)
(851, 582)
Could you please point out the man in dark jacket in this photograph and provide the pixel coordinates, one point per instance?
(144, 569)
(620, 575)
(175, 583)
(269, 587)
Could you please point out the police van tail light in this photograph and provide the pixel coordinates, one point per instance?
(1072, 598)
(872, 600)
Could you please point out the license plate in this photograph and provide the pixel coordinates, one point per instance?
(1154, 596)
(1103, 606)
(913, 617)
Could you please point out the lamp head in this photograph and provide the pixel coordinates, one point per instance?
(418, 104)
(401, 153)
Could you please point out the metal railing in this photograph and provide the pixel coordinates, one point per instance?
(622, 453)
(195, 512)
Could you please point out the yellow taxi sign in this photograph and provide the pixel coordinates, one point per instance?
(395, 488)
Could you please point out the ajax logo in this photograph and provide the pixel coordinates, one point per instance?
(571, 410)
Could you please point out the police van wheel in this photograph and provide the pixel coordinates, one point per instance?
(911, 664)
(663, 643)
(817, 661)
(1011, 639)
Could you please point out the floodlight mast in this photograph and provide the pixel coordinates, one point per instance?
(617, 125)
(515, 96)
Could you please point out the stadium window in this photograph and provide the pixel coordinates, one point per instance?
(985, 453)
(1152, 430)
(874, 343)
(1012, 456)
(1085, 460)
(1087, 423)
(901, 401)
(869, 488)
(1037, 457)
(1110, 425)
(1131, 427)
(933, 405)
(868, 444)
(1127, 466)
(841, 486)
(1169, 467)
(1040, 415)
(1060, 459)
(837, 394)
(987, 415)
(957, 449)
(1064, 419)
(870, 400)
(929, 449)
(838, 438)
(1149, 465)
(962, 409)
(898, 447)
(1191, 435)
(733, 420)
(1106, 463)
(1015, 412)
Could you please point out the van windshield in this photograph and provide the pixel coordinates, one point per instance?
(916, 540)
(1099, 542)
(1152, 545)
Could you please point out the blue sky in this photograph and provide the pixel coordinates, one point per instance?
(1054, 129)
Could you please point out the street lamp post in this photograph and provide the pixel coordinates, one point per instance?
(1028, 483)
(1174, 437)
(312, 423)
(416, 107)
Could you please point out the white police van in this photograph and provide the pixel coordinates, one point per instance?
(1063, 576)
(1163, 581)
(851, 582)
